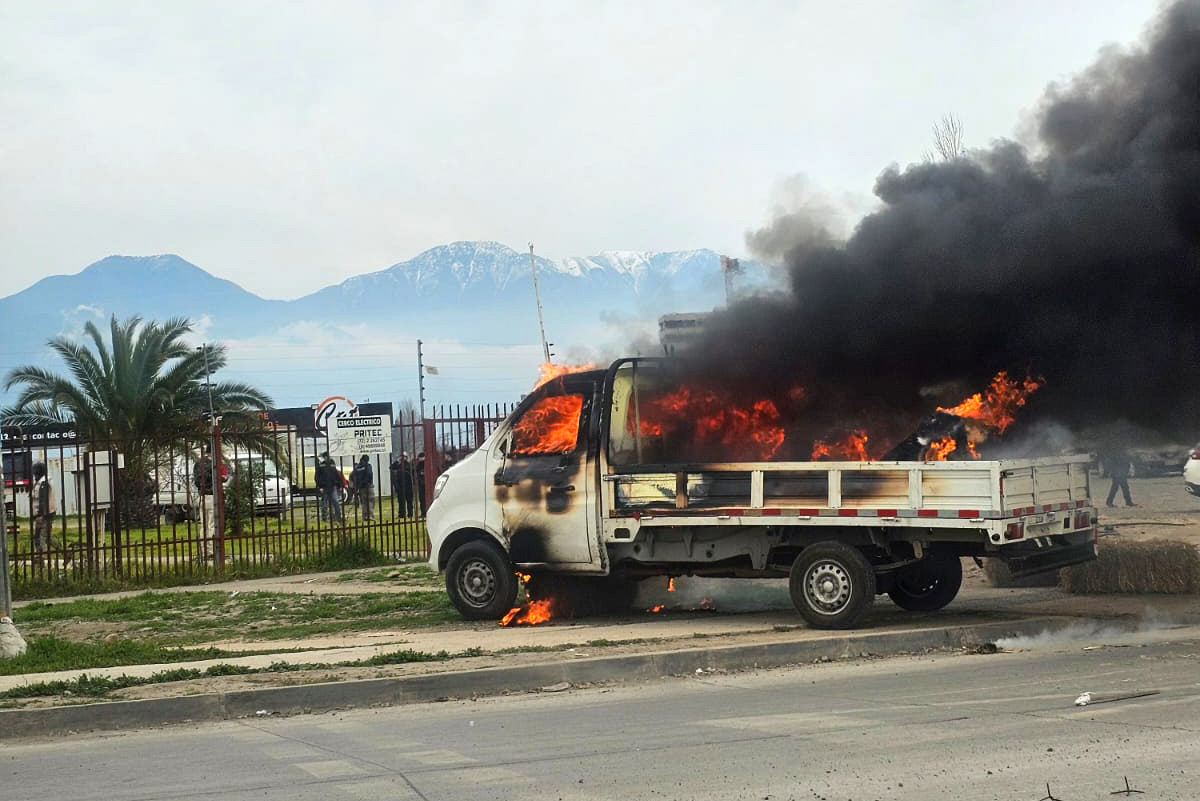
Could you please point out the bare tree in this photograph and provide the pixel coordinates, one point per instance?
(947, 140)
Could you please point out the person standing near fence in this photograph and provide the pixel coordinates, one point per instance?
(45, 504)
(419, 480)
(362, 480)
(202, 479)
(329, 482)
(402, 484)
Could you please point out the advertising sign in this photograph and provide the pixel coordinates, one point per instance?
(357, 435)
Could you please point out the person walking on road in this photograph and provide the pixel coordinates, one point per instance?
(1117, 463)
(362, 482)
(45, 503)
(329, 482)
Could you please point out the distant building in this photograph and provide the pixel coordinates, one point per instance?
(678, 332)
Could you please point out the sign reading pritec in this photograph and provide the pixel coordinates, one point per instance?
(357, 435)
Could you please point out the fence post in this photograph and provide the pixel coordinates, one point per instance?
(431, 463)
(89, 516)
(116, 488)
(218, 501)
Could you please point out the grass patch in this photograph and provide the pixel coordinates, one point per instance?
(193, 617)
(346, 556)
(1158, 566)
(410, 574)
(87, 686)
(47, 654)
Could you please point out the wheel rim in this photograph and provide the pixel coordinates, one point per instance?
(828, 588)
(477, 582)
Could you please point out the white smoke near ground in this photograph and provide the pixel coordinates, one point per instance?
(1095, 634)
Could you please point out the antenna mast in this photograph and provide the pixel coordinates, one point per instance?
(538, 299)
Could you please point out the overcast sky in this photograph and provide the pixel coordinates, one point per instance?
(287, 146)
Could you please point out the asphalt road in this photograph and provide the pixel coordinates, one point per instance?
(945, 726)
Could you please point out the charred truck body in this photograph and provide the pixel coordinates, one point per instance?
(602, 478)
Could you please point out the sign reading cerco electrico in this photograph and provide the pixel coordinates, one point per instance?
(351, 436)
(319, 419)
(351, 432)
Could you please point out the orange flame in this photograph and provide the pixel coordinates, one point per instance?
(996, 407)
(853, 448)
(655, 609)
(671, 585)
(549, 426)
(549, 371)
(714, 419)
(938, 451)
(531, 614)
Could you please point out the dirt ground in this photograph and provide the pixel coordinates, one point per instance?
(1164, 510)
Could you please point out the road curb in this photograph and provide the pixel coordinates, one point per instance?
(305, 698)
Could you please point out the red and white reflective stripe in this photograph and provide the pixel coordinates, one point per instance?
(845, 511)
(1025, 511)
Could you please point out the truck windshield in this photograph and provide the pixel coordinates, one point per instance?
(550, 425)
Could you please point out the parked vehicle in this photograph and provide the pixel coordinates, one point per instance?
(604, 501)
(1191, 472)
(1158, 461)
(177, 500)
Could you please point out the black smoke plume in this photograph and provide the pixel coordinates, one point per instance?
(1077, 260)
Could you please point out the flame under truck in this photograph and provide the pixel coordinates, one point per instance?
(592, 504)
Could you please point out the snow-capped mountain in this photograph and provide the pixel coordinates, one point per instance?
(461, 291)
(448, 276)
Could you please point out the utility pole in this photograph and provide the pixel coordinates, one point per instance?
(214, 445)
(421, 377)
(212, 424)
(730, 267)
(538, 299)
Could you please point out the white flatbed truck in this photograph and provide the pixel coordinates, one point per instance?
(600, 509)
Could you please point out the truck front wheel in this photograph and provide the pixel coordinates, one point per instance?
(927, 585)
(480, 581)
(832, 585)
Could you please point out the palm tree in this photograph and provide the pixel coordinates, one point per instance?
(141, 391)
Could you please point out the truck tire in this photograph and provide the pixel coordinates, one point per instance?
(929, 584)
(832, 585)
(480, 581)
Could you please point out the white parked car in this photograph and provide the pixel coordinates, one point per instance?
(1191, 472)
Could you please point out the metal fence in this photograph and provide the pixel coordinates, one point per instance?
(139, 512)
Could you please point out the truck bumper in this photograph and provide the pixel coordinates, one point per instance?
(1050, 553)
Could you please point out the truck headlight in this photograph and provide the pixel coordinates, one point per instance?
(440, 484)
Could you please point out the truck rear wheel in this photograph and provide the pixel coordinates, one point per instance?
(480, 581)
(832, 585)
(927, 585)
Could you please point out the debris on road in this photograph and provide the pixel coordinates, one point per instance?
(557, 688)
(1089, 699)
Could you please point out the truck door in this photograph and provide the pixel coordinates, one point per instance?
(545, 479)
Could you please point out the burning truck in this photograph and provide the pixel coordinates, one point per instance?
(604, 477)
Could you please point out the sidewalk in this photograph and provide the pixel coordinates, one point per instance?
(674, 628)
(299, 584)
